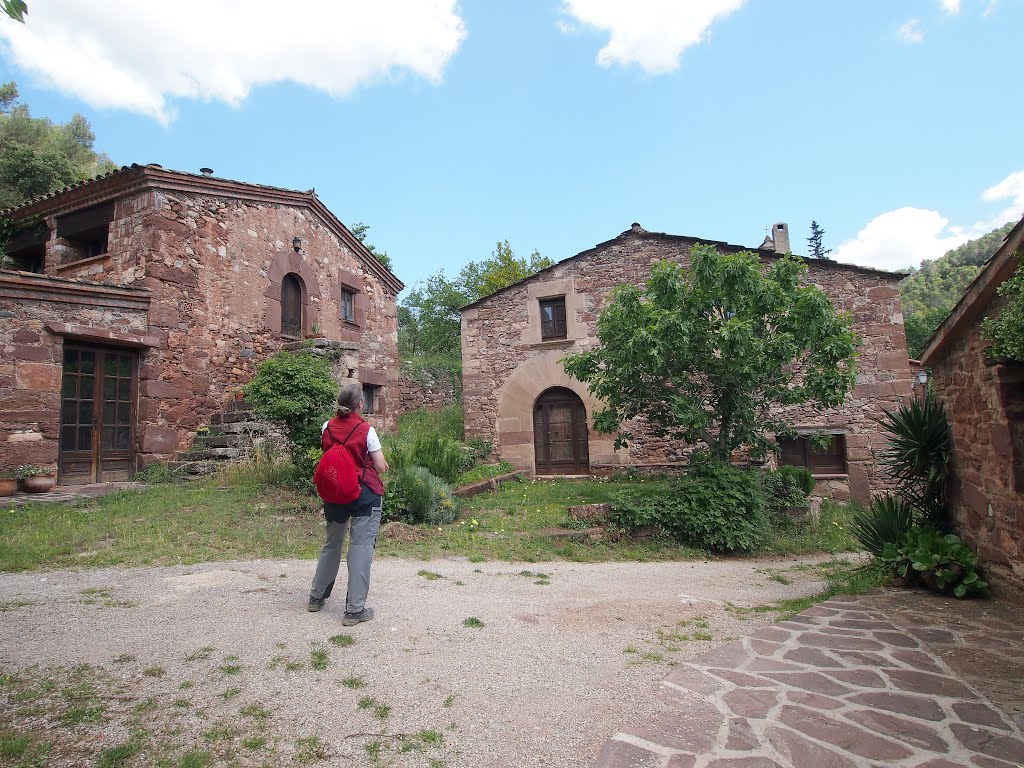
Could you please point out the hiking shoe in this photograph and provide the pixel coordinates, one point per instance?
(315, 604)
(351, 619)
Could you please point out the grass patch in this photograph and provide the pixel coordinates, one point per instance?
(429, 575)
(318, 658)
(310, 749)
(23, 751)
(484, 472)
(473, 623)
(342, 641)
(255, 712)
(841, 578)
(118, 756)
(237, 519)
(353, 682)
(230, 693)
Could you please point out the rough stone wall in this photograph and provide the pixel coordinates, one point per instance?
(985, 407)
(424, 389)
(31, 357)
(501, 341)
(213, 265)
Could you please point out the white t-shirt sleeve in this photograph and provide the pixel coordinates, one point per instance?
(372, 441)
(323, 428)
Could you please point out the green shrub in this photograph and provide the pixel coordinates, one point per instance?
(442, 456)
(920, 448)
(784, 488)
(156, 473)
(717, 506)
(798, 477)
(939, 562)
(484, 472)
(296, 391)
(887, 521)
(417, 496)
(444, 422)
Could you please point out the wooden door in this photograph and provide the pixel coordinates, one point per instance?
(560, 434)
(97, 417)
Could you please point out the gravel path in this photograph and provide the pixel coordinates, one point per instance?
(562, 660)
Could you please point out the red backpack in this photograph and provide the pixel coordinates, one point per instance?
(337, 477)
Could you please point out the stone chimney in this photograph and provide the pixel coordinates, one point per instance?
(780, 236)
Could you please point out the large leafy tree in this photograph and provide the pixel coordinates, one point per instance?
(429, 321)
(39, 156)
(710, 353)
(360, 230)
(1006, 330)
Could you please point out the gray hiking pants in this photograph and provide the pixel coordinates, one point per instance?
(364, 529)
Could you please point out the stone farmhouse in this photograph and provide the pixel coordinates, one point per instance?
(517, 394)
(141, 299)
(984, 401)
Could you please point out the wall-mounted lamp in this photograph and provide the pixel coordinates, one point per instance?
(296, 243)
(921, 378)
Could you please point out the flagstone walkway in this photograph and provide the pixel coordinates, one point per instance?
(67, 494)
(900, 678)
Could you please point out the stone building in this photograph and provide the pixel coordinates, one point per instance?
(984, 401)
(517, 394)
(143, 298)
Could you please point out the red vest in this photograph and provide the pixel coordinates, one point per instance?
(338, 428)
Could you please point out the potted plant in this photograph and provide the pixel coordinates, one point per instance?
(8, 481)
(37, 478)
(315, 332)
(238, 393)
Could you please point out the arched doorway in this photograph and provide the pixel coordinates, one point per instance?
(291, 305)
(560, 433)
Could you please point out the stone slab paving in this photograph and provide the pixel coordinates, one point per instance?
(66, 494)
(901, 679)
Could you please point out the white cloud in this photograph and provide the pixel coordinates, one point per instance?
(907, 236)
(650, 33)
(910, 34)
(141, 56)
(950, 6)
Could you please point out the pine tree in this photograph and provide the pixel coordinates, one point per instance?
(814, 243)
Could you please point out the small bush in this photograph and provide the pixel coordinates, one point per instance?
(156, 473)
(785, 487)
(939, 562)
(798, 477)
(717, 506)
(441, 456)
(887, 522)
(416, 496)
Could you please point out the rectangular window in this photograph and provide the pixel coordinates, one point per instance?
(348, 305)
(371, 398)
(552, 319)
(800, 452)
(85, 232)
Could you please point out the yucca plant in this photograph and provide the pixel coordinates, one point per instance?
(887, 521)
(920, 448)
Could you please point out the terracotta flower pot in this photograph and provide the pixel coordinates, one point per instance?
(38, 483)
(8, 486)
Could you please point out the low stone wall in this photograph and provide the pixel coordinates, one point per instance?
(429, 389)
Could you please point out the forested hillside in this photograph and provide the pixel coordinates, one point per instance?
(929, 293)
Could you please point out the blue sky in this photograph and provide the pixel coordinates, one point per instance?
(448, 126)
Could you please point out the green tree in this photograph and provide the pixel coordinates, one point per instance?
(1006, 330)
(359, 230)
(38, 156)
(710, 353)
(815, 249)
(921, 326)
(429, 320)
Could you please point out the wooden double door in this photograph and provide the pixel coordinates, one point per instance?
(560, 433)
(97, 415)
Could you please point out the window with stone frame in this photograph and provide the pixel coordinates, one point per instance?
(552, 318)
(371, 399)
(291, 306)
(348, 305)
(800, 451)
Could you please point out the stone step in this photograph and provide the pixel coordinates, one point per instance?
(212, 453)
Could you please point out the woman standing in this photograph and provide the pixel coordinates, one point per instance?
(361, 441)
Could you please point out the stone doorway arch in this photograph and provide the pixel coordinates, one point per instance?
(560, 436)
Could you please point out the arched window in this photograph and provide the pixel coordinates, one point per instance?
(560, 433)
(291, 305)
